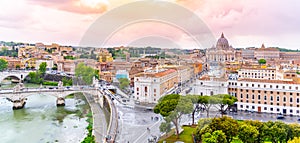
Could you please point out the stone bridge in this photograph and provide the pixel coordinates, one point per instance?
(18, 98)
(20, 74)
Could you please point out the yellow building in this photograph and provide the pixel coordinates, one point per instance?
(30, 63)
(27, 52)
(105, 56)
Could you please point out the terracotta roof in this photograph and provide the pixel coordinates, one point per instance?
(160, 74)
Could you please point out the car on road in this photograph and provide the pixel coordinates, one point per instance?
(280, 117)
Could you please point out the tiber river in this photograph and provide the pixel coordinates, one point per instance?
(42, 122)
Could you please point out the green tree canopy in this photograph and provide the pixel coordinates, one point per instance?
(262, 61)
(85, 72)
(3, 64)
(124, 82)
(223, 102)
(261, 128)
(43, 68)
(295, 140)
(277, 131)
(248, 133)
(172, 107)
(228, 125)
(215, 137)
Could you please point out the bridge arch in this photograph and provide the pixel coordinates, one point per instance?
(20, 75)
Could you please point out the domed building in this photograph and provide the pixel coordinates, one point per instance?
(222, 52)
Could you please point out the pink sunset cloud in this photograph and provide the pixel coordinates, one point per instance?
(245, 23)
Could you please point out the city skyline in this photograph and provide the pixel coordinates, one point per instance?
(245, 23)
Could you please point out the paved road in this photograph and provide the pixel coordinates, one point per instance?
(99, 120)
(133, 124)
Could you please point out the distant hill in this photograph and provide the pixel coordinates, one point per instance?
(287, 50)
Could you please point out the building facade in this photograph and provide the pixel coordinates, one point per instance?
(152, 85)
(222, 52)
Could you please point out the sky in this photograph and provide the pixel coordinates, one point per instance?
(245, 23)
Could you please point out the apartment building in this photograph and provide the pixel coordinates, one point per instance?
(151, 85)
(268, 96)
(257, 73)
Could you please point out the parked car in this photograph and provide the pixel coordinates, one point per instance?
(280, 117)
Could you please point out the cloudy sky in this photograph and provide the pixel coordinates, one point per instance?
(245, 23)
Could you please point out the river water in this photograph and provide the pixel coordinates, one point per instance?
(42, 122)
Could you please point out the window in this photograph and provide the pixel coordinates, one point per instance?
(146, 89)
(284, 99)
(247, 96)
(290, 87)
(265, 108)
(265, 86)
(154, 94)
(278, 98)
(154, 90)
(278, 109)
(241, 106)
(241, 95)
(271, 98)
(291, 99)
(291, 111)
(283, 87)
(271, 109)
(265, 97)
(258, 97)
(270, 86)
(297, 100)
(291, 94)
(253, 107)
(271, 92)
(276, 86)
(253, 96)
(258, 85)
(247, 106)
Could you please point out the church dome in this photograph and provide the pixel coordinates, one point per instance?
(222, 43)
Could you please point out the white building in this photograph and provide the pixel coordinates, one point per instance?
(210, 86)
(152, 85)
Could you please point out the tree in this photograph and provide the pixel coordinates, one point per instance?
(261, 128)
(195, 101)
(3, 64)
(295, 130)
(216, 137)
(165, 127)
(202, 128)
(262, 61)
(54, 67)
(228, 126)
(224, 102)
(85, 72)
(276, 131)
(34, 77)
(43, 68)
(18, 66)
(67, 82)
(248, 133)
(295, 140)
(172, 107)
(207, 102)
(124, 82)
